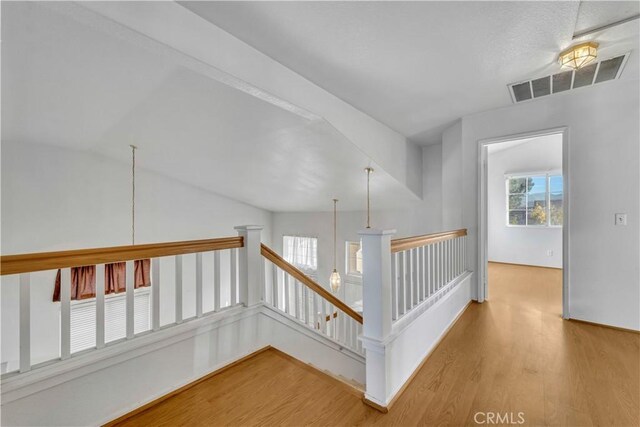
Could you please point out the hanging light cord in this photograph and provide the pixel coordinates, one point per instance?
(369, 170)
(133, 194)
(335, 219)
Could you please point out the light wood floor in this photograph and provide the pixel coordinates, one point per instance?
(511, 354)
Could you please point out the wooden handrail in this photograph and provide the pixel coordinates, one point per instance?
(272, 256)
(25, 263)
(399, 245)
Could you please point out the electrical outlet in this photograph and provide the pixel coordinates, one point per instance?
(621, 219)
(550, 252)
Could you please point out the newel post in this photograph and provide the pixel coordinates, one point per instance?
(376, 301)
(250, 265)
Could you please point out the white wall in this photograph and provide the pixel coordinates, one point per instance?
(57, 199)
(451, 177)
(129, 376)
(424, 217)
(604, 166)
(521, 245)
(411, 343)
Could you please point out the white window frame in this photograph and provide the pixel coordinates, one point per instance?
(548, 175)
(354, 275)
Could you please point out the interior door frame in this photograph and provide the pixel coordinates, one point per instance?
(483, 260)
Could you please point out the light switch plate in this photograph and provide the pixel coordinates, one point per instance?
(621, 219)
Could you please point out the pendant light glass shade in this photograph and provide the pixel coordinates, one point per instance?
(335, 281)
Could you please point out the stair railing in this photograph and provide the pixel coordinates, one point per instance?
(226, 285)
(402, 278)
(290, 291)
(422, 265)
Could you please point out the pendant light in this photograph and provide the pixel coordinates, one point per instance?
(133, 194)
(334, 279)
(368, 170)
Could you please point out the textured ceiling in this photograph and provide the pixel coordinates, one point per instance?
(417, 66)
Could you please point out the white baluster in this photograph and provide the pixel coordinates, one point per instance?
(65, 313)
(401, 284)
(263, 279)
(99, 305)
(233, 268)
(287, 301)
(409, 274)
(305, 296)
(457, 256)
(130, 274)
(25, 321)
(451, 260)
(316, 313)
(274, 285)
(394, 286)
(323, 317)
(178, 261)
(424, 272)
(440, 265)
(296, 286)
(216, 281)
(330, 324)
(199, 284)
(431, 270)
(415, 271)
(155, 293)
(447, 260)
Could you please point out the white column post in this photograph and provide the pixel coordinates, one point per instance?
(250, 265)
(377, 311)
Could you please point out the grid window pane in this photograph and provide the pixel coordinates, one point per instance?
(537, 216)
(555, 184)
(537, 184)
(535, 200)
(517, 201)
(517, 185)
(517, 217)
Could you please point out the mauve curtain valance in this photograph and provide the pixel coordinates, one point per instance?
(83, 279)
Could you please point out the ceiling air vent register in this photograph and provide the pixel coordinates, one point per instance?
(597, 72)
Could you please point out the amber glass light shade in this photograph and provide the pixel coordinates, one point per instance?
(579, 55)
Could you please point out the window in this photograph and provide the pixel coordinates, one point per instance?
(302, 252)
(354, 259)
(534, 200)
(83, 318)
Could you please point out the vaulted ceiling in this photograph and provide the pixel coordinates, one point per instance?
(76, 79)
(419, 66)
(86, 88)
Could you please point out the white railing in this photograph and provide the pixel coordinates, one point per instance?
(290, 291)
(403, 279)
(195, 278)
(419, 272)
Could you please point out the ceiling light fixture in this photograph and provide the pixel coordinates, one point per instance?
(334, 279)
(579, 55)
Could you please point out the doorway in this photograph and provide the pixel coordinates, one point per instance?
(524, 209)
